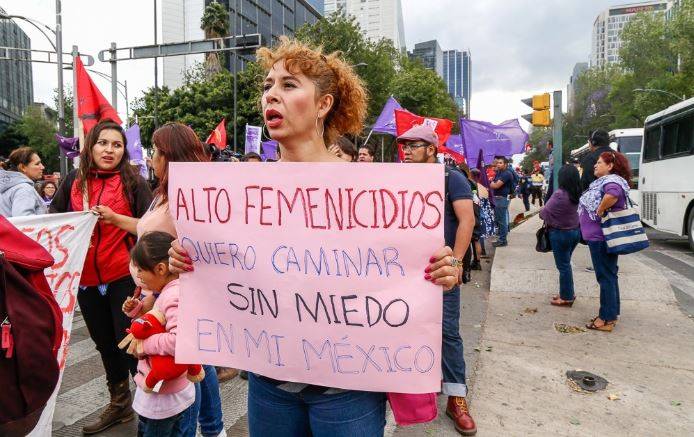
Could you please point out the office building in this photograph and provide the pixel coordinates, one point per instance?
(608, 26)
(377, 18)
(270, 18)
(16, 83)
(429, 53)
(457, 73)
(573, 86)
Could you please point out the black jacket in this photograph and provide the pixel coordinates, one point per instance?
(588, 165)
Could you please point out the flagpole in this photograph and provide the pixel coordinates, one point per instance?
(368, 136)
(75, 102)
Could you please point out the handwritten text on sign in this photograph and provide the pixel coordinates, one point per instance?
(312, 272)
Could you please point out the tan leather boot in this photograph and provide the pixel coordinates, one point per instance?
(119, 410)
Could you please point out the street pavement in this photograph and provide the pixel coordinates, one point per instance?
(507, 403)
(520, 387)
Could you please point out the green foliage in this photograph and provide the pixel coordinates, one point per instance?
(67, 101)
(202, 102)
(340, 33)
(655, 54)
(423, 92)
(215, 23)
(539, 136)
(40, 134)
(11, 138)
(206, 98)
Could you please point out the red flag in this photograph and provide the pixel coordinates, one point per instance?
(405, 120)
(92, 106)
(218, 136)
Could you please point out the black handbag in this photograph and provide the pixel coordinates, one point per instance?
(543, 245)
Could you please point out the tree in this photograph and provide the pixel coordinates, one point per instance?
(11, 138)
(539, 136)
(215, 23)
(67, 102)
(203, 101)
(40, 134)
(374, 61)
(423, 92)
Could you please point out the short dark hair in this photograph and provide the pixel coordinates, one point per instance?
(503, 158)
(599, 138)
(151, 249)
(369, 148)
(250, 155)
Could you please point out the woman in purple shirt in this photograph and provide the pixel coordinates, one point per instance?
(608, 192)
(561, 217)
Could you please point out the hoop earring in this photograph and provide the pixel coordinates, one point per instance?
(320, 134)
(262, 133)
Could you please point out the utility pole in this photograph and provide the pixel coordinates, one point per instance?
(61, 91)
(75, 117)
(558, 149)
(236, 60)
(156, 72)
(114, 78)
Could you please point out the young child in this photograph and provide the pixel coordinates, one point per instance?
(162, 413)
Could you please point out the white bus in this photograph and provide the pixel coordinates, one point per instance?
(666, 173)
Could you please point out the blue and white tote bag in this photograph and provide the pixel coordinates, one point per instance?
(623, 232)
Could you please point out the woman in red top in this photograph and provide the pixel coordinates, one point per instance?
(106, 181)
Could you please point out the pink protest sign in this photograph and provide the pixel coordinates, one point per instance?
(312, 272)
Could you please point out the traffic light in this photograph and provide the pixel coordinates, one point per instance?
(540, 104)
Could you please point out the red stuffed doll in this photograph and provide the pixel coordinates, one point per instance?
(164, 368)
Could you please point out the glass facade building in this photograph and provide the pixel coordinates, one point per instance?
(429, 53)
(16, 83)
(457, 73)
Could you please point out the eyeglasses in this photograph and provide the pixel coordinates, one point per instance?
(411, 146)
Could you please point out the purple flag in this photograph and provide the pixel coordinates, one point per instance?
(270, 149)
(484, 180)
(70, 145)
(455, 144)
(134, 146)
(505, 139)
(385, 124)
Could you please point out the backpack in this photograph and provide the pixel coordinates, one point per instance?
(31, 332)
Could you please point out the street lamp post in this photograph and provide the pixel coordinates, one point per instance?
(58, 47)
(653, 90)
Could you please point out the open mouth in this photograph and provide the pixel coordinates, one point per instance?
(273, 118)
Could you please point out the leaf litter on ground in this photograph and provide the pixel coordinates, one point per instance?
(568, 329)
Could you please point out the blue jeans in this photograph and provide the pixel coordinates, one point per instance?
(501, 216)
(173, 426)
(606, 269)
(278, 413)
(563, 244)
(452, 358)
(207, 408)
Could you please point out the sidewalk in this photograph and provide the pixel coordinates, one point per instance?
(520, 385)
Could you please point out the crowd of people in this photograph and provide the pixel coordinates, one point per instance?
(311, 103)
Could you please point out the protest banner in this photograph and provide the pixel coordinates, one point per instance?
(253, 134)
(312, 272)
(66, 237)
(505, 139)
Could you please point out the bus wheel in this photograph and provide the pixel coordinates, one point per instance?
(691, 230)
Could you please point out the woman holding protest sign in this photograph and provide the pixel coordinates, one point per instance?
(106, 183)
(308, 100)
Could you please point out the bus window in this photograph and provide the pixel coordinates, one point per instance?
(670, 139)
(652, 144)
(685, 135)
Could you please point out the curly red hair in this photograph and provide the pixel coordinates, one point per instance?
(332, 75)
